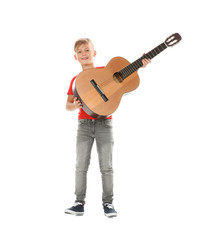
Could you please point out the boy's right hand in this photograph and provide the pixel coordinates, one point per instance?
(77, 103)
(73, 103)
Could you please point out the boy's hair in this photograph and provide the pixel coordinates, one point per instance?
(82, 41)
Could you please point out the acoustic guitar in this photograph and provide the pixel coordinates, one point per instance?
(100, 90)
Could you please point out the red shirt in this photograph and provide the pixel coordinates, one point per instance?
(82, 114)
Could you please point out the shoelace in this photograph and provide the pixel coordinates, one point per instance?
(109, 205)
(77, 203)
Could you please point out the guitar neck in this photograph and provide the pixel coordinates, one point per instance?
(128, 70)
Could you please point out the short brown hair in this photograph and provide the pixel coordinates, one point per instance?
(82, 41)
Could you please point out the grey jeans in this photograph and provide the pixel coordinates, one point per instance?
(88, 131)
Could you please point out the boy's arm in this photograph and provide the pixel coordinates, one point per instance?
(72, 103)
(145, 61)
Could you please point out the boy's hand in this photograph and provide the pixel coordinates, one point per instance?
(77, 103)
(145, 61)
(73, 103)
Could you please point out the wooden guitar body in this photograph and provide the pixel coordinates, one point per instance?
(100, 91)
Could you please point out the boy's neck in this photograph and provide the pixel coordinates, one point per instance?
(86, 67)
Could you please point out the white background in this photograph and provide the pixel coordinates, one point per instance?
(163, 130)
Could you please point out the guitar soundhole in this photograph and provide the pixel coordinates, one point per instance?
(118, 78)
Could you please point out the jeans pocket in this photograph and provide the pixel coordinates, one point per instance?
(108, 123)
(81, 122)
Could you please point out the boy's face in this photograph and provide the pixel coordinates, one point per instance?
(84, 54)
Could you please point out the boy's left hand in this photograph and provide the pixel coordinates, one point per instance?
(145, 61)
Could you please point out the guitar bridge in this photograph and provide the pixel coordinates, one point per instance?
(99, 90)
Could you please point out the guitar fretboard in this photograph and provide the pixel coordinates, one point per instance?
(128, 70)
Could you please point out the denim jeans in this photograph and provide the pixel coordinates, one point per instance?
(101, 131)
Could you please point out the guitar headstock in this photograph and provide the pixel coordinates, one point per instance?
(173, 40)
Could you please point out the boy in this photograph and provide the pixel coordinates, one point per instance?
(90, 129)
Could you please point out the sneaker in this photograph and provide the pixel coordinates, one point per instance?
(77, 209)
(109, 210)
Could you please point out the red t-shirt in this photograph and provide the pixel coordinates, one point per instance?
(82, 114)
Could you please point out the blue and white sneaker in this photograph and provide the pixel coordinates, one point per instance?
(77, 209)
(109, 210)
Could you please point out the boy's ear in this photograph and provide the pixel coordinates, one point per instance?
(75, 57)
(95, 53)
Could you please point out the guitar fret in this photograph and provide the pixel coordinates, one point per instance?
(123, 72)
(134, 66)
(148, 55)
(151, 54)
(128, 71)
(132, 69)
(161, 48)
(154, 52)
(158, 49)
(164, 46)
(138, 62)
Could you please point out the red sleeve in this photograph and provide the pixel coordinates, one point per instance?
(70, 92)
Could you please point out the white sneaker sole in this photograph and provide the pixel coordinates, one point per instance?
(74, 213)
(110, 214)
